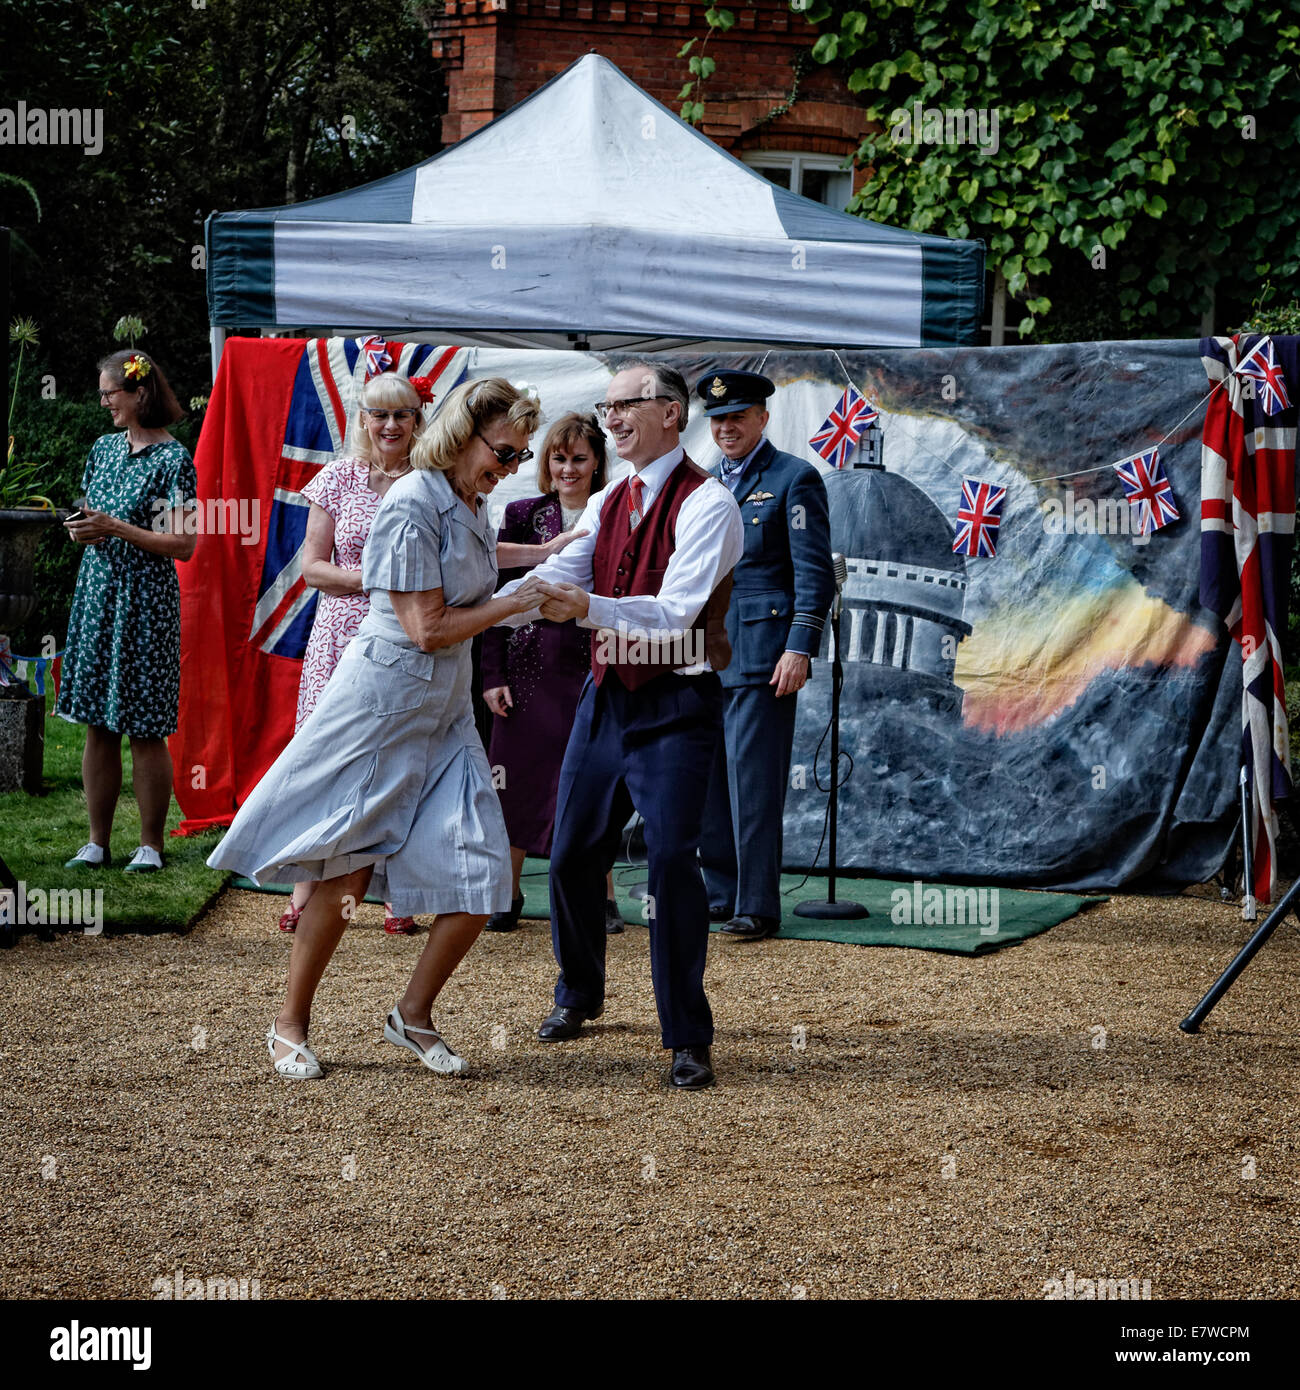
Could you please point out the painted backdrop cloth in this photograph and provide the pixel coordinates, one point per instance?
(1066, 714)
(388, 769)
(544, 664)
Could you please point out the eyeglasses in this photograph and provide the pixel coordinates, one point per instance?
(504, 455)
(401, 416)
(108, 395)
(603, 408)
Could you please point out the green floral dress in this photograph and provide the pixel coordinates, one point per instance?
(122, 670)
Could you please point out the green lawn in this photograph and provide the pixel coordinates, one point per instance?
(37, 833)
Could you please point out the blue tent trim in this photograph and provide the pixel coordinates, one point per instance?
(241, 267)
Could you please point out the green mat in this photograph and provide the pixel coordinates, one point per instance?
(958, 922)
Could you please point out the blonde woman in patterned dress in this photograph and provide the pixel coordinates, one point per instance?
(122, 668)
(344, 497)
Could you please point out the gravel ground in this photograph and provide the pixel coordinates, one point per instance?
(943, 1127)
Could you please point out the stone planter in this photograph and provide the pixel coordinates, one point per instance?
(22, 740)
(21, 529)
(22, 715)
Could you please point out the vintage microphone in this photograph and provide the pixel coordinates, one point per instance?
(829, 909)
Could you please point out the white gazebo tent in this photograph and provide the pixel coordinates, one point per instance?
(589, 215)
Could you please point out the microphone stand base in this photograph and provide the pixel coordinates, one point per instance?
(830, 911)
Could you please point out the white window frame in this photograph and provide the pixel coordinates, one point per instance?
(797, 162)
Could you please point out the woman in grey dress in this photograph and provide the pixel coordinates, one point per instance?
(386, 786)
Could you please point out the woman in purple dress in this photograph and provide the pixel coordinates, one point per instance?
(533, 675)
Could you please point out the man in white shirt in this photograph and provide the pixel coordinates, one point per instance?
(652, 575)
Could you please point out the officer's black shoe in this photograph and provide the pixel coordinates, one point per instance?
(561, 1024)
(745, 927)
(613, 918)
(692, 1068)
(505, 921)
(720, 914)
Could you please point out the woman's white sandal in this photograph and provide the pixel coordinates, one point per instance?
(300, 1064)
(437, 1056)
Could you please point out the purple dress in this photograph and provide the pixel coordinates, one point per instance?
(544, 664)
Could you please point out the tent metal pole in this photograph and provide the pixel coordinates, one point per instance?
(217, 339)
(1247, 863)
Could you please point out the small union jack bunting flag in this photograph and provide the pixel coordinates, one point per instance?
(1149, 491)
(979, 514)
(838, 437)
(1260, 365)
(378, 357)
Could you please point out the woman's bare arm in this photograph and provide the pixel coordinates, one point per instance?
(318, 568)
(430, 624)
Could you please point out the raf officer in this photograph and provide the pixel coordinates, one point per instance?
(782, 586)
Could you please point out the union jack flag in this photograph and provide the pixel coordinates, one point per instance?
(979, 514)
(838, 437)
(1149, 491)
(329, 379)
(1260, 364)
(1248, 513)
(378, 357)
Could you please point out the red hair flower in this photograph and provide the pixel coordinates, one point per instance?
(423, 387)
(136, 368)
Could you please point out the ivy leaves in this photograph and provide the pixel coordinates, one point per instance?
(701, 66)
(1162, 131)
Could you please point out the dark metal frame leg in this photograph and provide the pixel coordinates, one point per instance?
(1193, 1021)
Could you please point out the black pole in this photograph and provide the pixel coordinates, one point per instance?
(837, 679)
(828, 908)
(1192, 1023)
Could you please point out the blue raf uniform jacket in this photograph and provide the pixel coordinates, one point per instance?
(784, 582)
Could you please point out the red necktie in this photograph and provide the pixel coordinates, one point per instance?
(635, 490)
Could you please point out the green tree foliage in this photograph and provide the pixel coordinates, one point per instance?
(1149, 143)
(207, 105)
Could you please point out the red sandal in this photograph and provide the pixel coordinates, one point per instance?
(399, 926)
(289, 919)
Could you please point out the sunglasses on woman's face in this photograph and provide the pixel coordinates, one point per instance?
(381, 416)
(506, 456)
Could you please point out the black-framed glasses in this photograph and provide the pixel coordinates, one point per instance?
(108, 395)
(401, 415)
(506, 456)
(603, 408)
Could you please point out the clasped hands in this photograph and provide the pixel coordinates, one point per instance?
(558, 602)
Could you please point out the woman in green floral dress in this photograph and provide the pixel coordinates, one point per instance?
(121, 673)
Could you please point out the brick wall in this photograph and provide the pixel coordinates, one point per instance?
(496, 52)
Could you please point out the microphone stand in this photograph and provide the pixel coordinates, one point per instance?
(828, 909)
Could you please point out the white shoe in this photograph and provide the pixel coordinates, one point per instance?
(91, 856)
(300, 1064)
(143, 861)
(437, 1056)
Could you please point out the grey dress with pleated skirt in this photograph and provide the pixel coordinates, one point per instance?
(388, 769)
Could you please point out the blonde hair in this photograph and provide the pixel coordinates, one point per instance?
(387, 391)
(566, 433)
(465, 412)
